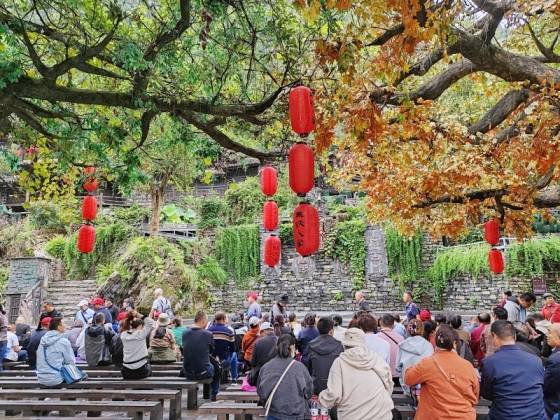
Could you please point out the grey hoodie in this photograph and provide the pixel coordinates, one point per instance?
(411, 351)
(59, 351)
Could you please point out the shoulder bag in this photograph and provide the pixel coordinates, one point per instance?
(271, 396)
(70, 373)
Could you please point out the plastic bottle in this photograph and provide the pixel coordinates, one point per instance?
(315, 414)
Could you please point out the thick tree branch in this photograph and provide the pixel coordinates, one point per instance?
(145, 122)
(500, 111)
(387, 35)
(548, 53)
(496, 10)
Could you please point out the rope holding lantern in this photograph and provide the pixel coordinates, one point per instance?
(306, 229)
(302, 113)
(270, 215)
(272, 250)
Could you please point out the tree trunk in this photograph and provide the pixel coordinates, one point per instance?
(157, 194)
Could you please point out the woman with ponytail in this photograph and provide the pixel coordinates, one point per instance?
(135, 330)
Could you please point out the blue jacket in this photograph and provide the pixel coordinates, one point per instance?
(552, 383)
(306, 336)
(59, 351)
(513, 380)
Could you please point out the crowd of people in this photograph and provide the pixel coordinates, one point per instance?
(509, 355)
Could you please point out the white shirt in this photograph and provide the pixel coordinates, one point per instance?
(379, 346)
(339, 333)
(13, 341)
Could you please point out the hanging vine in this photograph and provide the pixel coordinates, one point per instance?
(533, 257)
(238, 250)
(404, 255)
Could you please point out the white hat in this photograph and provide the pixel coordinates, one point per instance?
(354, 337)
(83, 302)
(266, 326)
(163, 320)
(254, 321)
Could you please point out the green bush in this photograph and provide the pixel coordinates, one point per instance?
(286, 233)
(134, 214)
(533, 257)
(4, 274)
(18, 240)
(55, 247)
(212, 211)
(238, 251)
(46, 215)
(211, 271)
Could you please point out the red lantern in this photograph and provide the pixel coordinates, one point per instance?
(301, 168)
(89, 208)
(89, 170)
(496, 261)
(90, 185)
(302, 114)
(270, 215)
(272, 247)
(269, 181)
(306, 229)
(492, 232)
(86, 239)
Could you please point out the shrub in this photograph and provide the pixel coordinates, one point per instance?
(46, 215)
(211, 271)
(134, 214)
(212, 211)
(55, 247)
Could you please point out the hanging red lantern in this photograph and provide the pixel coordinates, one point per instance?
(306, 229)
(301, 168)
(302, 114)
(269, 181)
(492, 232)
(86, 239)
(90, 185)
(272, 248)
(270, 215)
(89, 208)
(496, 261)
(89, 170)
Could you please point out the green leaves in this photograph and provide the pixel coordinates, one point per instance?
(238, 250)
(10, 57)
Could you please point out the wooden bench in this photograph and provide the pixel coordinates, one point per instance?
(174, 396)
(238, 396)
(91, 373)
(68, 418)
(408, 412)
(135, 409)
(174, 384)
(222, 409)
(167, 367)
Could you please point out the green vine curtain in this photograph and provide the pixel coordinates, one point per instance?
(238, 251)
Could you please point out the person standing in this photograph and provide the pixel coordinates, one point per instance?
(487, 345)
(254, 308)
(516, 307)
(476, 336)
(113, 310)
(551, 310)
(359, 383)
(456, 322)
(49, 311)
(135, 330)
(224, 343)
(161, 304)
(198, 344)
(388, 334)
(294, 324)
(552, 373)
(3, 336)
(284, 383)
(360, 299)
(308, 333)
(449, 383)
(323, 350)
(85, 313)
(512, 378)
(398, 327)
(99, 308)
(280, 308)
(410, 308)
(368, 324)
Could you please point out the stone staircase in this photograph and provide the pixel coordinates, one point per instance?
(66, 294)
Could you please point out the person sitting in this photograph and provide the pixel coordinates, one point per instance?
(360, 383)
(449, 383)
(339, 330)
(178, 329)
(294, 324)
(14, 352)
(198, 344)
(49, 311)
(456, 321)
(135, 330)
(429, 331)
(97, 342)
(323, 350)
(249, 340)
(308, 333)
(512, 378)
(74, 333)
(392, 338)
(411, 351)
(99, 307)
(552, 373)
(368, 324)
(398, 327)
(54, 351)
(263, 351)
(85, 313)
(440, 319)
(280, 327)
(522, 335)
(163, 348)
(23, 332)
(476, 336)
(34, 342)
(285, 383)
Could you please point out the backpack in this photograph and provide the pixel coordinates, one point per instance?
(165, 306)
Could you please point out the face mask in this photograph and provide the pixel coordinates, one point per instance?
(293, 354)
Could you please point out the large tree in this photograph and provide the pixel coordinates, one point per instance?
(444, 111)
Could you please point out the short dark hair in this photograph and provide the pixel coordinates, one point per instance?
(55, 323)
(99, 318)
(283, 345)
(408, 292)
(429, 327)
(528, 297)
(484, 317)
(337, 320)
(397, 317)
(292, 317)
(387, 320)
(199, 316)
(220, 316)
(445, 337)
(176, 321)
(500, 313)
(325, 325)
(456, 321)
(440, 318)
(367, 323)
(309, 320)
(521, 332)
(508, 293)
(503, 329)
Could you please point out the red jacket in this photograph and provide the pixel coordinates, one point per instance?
(551, 312)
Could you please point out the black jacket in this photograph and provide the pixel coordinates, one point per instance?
(552, 384)
(264, 350)
(323, 350)
(52, 314)
(32, 347)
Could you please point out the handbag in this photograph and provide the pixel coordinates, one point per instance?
(70, 373)
(271, 396)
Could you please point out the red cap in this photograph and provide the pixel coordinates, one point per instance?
(425, 315)
(121, 316)
(156, 314)
(253, 295)
(98, 301)
(46, 321)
